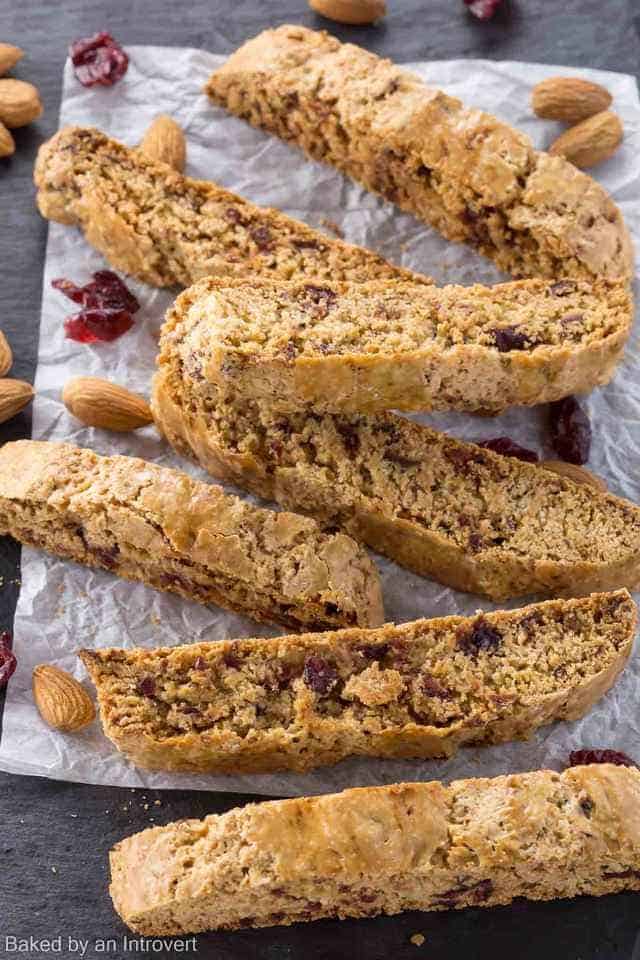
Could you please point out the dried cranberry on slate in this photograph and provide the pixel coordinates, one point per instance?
(8, 662)
(319, 675)
(570, 430)
(480, 636)
(509, 338)
(509, 448)
(98, 60)
(483, 9)
(107, 307)
(578, 758)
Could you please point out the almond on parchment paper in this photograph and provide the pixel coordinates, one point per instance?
(99, 403)
(61, 700)
(6, 357)
(165, 140)
(19, 102)
(569, 99)
(14, 395)
(590, 142)
(573, 472)
(354, 12)
(9, 56)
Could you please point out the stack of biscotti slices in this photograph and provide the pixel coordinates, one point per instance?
(409, 846)
(421, 689)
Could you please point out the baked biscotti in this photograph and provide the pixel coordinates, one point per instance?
(421, 689)
(471, 176)
(372, 850)
(379, 345)
(160, 526)
(450, 510)
(167, 229)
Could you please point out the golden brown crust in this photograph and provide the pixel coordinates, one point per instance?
(419, 690)
(408, 846)
(379, 346)
(158, 525)
(473, 177)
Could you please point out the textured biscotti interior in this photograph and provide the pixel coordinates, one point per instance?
(421, 689)
(158, 525)
(167, 229)
(449, 510)
(379, 346)
(473, 177)
(408, 846)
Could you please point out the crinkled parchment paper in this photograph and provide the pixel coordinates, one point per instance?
(63, 606)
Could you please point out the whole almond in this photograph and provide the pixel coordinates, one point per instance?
(19, 103)
(590, 142)
(7, 143)
(62, 702)
(9, 56)
(14, 395)
(569, 99)
(99, 403)
(6, 357)
(356, 12)
(164, 140)
(573, 472)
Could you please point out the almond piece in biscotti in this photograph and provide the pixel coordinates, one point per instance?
(590, 142)
(569, 99)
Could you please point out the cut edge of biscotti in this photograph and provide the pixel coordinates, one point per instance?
(468, 174)
(379, 346)
(382, 850)
(417, 690)
(162, 527)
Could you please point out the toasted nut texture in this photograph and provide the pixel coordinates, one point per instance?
(63, 703)
(14, 395)
(19, 103)
(7, 143)
(99, 403)
(164, 140)
(9, 56)
(569, 99)
(590, 142)
(358, 12)
(573, 472)
(6, 357)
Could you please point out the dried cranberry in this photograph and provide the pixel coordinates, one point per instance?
(509, 338)
(483, 9)
(578, 758)
(319, 675)
(509, 448)
(349, 437)
(147, 687)
(91, 326)
(562, 288)
(107, 307)
(431, 688)
(261, 236)
(570, 430)
(480, 636)
(8, 662)
(374, 651)
(98, 60)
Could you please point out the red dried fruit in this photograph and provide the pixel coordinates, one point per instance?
(570, 430)
(483, 9)
(480, 636)
(510, 338)
(108, 305)
(8, 662)
(374, 651)
(509, 448)
(562, 288)
(319, 675)
(431, 688)
(578, 758)
(147, 687)
(98, 60)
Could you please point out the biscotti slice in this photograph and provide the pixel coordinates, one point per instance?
(379, 345)
(167, 229)
(450, 510)
(421, 689)
(372, 850)
(471, 176)
(160, 526)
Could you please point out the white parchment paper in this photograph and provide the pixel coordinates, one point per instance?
(63, 606)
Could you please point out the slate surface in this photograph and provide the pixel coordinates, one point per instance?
(54, 836)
